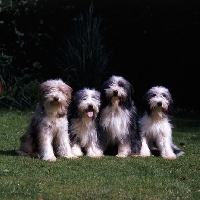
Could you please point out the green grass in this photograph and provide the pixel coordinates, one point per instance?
(104, 178)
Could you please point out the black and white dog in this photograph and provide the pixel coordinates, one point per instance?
(83, 123)
(155, 126)
(118, 117)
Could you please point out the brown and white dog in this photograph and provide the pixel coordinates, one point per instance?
(47, 134)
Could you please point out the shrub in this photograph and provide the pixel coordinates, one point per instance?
(19, 93)
(84, 58)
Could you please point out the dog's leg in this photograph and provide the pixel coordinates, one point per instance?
(94, 151)
(45, 146)
(145, 151)
(166, 151)
(63, 147)
(26, 145)
(176, 150)
(76, 150)
(90, 152)
(123, 150)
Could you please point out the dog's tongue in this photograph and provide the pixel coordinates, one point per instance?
(90, 113)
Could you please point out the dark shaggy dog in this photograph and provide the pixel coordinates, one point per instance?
(83, 123)
(118, 117)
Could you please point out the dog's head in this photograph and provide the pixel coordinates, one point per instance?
(158, 99)
(117, 90)
(86, 103)
(54, 93)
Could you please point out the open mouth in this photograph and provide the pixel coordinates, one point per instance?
(90, 111)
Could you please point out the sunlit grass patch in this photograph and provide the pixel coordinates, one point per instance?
(103, 178)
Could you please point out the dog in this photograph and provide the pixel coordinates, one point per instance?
(118, 117)
(47, 134)
(155, 126)
(83, 123)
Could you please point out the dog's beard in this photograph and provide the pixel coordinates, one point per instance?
(54, 108)
(158, 112)
(115, 101)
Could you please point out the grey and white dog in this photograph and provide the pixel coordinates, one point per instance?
(118, 117)
(155, 126)
(47, 134)
(83, 123)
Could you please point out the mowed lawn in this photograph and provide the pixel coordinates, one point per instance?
(103, 178)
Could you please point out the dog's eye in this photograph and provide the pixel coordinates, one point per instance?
(153, 95)
(120, 84)
(164, 95)
(84, 98)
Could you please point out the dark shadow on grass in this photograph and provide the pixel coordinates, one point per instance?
(9, 153)
(18, 153)
(111, 150)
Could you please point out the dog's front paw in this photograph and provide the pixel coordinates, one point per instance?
(121, 155)
(170, 157)
(50, 159)
(134, 155)
(145, 154)
(91, 154)
(77, 153)
(99, 155)
(72, 156)
(96, 155)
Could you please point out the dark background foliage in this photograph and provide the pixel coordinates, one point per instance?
(149, 42)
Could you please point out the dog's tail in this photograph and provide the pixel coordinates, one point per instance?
(177, 151)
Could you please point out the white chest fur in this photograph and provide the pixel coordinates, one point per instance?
(116, 121)
(84, 129)
(54, 125)
(154, 127)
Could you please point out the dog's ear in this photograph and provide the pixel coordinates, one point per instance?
(145, 103)
(131, 91)
(106, 85)
(103, 92)
(73, 106)
(67, 90)
(170, 106)
(43, 88)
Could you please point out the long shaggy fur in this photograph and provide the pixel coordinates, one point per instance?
(47, 134)
(83, 123)
(155, 126)
(118, 117)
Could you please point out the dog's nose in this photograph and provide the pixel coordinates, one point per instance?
(115, 92)
(159, 104)
(90, 106)
(56, 99)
